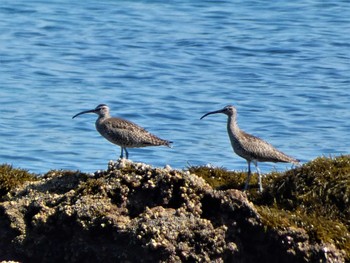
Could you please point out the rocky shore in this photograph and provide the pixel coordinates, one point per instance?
(133, 212)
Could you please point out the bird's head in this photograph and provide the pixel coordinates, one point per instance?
(101, 110)
(229, 110)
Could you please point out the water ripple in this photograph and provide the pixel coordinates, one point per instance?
(285, 68)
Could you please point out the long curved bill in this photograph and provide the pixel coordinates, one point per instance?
(212, 112)
(83, 112)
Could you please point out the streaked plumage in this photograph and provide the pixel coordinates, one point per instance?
(250, 147)
(122, 132)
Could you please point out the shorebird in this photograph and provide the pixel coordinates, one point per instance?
(122, 132)
(250, 147)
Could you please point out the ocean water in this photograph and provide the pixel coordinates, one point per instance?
(285, 65)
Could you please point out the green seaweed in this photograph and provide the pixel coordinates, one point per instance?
(10, 178)
(314, 196)
(220, 178)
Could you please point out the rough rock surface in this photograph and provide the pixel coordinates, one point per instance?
(135, 213)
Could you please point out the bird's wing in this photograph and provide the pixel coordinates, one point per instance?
(119, 130)
(263, 151)
(121, 124)
(129, 133)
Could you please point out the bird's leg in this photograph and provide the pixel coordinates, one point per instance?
(248, 177)
(126, 153)
(121, 153)
(259, 176)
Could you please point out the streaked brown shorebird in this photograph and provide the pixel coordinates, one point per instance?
(249, 147)
(122, 132)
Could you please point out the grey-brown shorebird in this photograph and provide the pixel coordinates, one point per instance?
(250, 147)
(122, 132)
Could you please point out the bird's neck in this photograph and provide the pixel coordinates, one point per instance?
(101, 118)
(232, 127)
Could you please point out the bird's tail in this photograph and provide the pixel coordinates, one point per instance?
(295, 162)
(168, 144)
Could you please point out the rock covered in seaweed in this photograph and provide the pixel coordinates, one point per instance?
(134, 212)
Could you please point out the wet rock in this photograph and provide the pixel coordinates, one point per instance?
(136, 213)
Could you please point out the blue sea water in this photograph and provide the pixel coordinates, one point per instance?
(285, 65)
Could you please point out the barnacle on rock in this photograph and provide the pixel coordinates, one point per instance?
(314, 197)
(135, 212)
